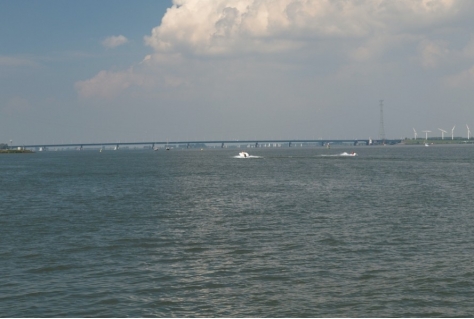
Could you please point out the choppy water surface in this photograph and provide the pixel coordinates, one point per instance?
(294, 233)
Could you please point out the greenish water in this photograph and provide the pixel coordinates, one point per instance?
(294, 233)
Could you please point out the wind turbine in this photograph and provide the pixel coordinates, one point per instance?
(426, 133)
(442, 133)
(452, 132)
(468, 132)
(414, 133)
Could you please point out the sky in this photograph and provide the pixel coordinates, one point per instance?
(156, 70)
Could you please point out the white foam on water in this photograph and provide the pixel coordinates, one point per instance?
(344, 154)
(247, 157)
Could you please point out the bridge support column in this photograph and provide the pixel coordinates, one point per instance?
(256, 144)
(222, 145)
(187, 145)
(289, 144)
(80, 148)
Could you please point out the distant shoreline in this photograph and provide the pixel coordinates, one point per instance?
(438, 142)
(15, 151)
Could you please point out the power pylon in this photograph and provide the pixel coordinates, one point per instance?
(381, 128)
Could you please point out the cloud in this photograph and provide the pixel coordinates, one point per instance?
(464, 79)
(105, 84)
(468, 51)
(114, 41)
(202, 45)
(224, 27)
(110, 84)
(16, 62)
(432, 52)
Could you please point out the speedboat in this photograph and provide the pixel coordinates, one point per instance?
(244, 154)
(349, 154)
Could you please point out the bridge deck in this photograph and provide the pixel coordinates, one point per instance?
(221, 142)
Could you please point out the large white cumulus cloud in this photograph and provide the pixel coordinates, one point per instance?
(354, 30)
(236, 26)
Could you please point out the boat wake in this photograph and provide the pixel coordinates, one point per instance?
(348, 154)
(246, 155)
(344, 154)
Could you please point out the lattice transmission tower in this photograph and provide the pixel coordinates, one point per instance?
(381, 128)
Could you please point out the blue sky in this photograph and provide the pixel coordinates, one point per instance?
(92, 71)
(42, 27)
(50, 45)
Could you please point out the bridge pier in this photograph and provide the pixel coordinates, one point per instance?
(256, 144)
(289, 144)
(222, 145)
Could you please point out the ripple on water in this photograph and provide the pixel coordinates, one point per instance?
(192, 234)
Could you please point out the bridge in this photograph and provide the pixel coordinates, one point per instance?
(222, 143)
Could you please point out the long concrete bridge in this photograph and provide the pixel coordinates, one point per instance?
(222, 143)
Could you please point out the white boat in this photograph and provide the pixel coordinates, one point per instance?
(246, 155)
(426, 144)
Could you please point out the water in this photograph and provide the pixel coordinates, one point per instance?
(201, 233)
